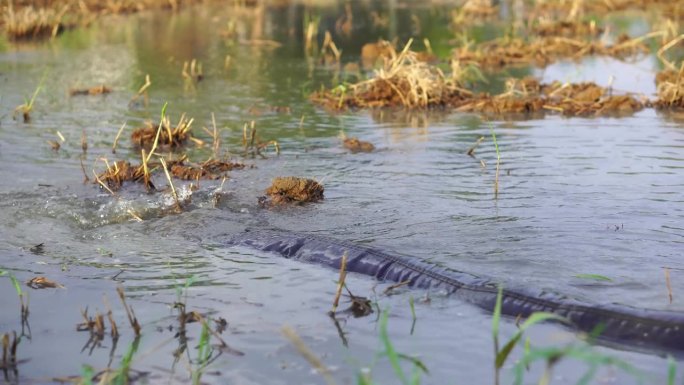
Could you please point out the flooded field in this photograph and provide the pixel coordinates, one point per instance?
(587, 198)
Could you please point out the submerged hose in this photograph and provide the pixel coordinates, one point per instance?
(640, 328)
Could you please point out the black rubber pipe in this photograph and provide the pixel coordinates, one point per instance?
(622, 324)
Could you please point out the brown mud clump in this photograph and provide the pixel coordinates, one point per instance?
(403, 81)
(170, 137)
(211, 169)
(670, 85)
(286, 190)
(97, 90)
(355, 145)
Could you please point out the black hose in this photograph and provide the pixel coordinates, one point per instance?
(622, 324)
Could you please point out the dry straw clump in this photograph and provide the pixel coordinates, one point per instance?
(211, 169)
(170, 137)
(573, 8)
(545, 50)
(30, 22)
(528, 97)
(404, 81)
(566, 28)
(122, 171)
(670, 85)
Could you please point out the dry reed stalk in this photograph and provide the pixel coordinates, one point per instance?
(101, 183)
(85, 174)
(142, 92)
(391, 288)
(661, 52)
(173, 189)
(308, 355)
(471, 150)
(340, 283)
(146, 170)
(668, 284)
(116, 138)
(216, 140)
(129, 311)
(329, 43)
(310, 37)
(134, 215)
(84, 141)
(156, 139)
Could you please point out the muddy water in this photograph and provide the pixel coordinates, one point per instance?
(577, 196)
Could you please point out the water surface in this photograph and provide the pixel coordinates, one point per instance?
(576, 196)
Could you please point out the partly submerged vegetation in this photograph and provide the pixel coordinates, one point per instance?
(406, 82)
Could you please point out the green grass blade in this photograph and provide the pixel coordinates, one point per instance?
(392, 354)
(413, 314)
(535, 318)
(362, 379)
(496, 317)
(671, 370)
(416, 362)
(496, 144)
(122, 373)
(87, 374)
(17, 285)
(596, 277)
(589, 375)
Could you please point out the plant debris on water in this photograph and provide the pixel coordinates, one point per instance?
(407, 82)
(42, 283)
(567, 28)
(544, 51)
(122, 171)
(166, 135)
(670, 86)
(97, 90)
(30, 22)
(355, 145)
(403, 81)
(210, 169)
(252, 144)
(291, 189)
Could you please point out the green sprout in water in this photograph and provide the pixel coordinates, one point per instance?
(204, 351)
(395, 358)
(498, 162)
(26, 108)
(596, 277)
(552, 355)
